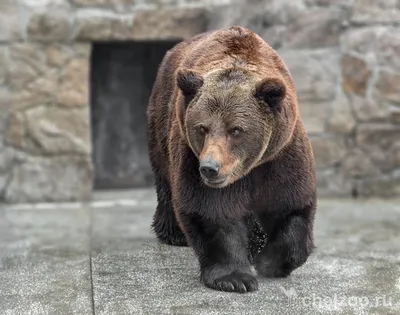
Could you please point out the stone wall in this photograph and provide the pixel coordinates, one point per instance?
(45, 47)
(344, 56)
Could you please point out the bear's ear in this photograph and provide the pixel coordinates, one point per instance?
(272, 91)
(189, 82)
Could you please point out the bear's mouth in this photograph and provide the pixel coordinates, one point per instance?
(215, 183)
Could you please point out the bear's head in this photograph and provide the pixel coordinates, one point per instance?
(234, 121)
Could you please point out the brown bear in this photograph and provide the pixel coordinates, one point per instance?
(226, 143)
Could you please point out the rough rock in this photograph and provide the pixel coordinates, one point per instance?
(345, 3)
(257, 15)
(40, 4)
(375, 11)
(357, 164)
(40, 179)
(172, 24)
(4, 116)
(281, 11)
(27, 62)
(49, 26)
(328, 151)
(340, 119)
(10, 20)
(366, 109)
(333, 183)
(3, 64)
(385, 186)
(57, 55)
(315, 28)
(74, 86)
(387, 87)
(355, 74)
(53, 130)
(274, 35)
(381, 142)
(102, 2)
(83, 50)
(16, 131)
(314, 115)
(361, 40)
(388, 49)
(50, 130)
(6, 161)
(96, 24)
(315, 73)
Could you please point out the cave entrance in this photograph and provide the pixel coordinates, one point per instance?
(122, 76)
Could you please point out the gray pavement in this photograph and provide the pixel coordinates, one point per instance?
(100, 258)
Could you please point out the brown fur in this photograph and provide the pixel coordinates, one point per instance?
(227, 96)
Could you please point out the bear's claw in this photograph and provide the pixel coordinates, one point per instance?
(235, 282)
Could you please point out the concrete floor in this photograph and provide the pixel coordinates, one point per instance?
(101, 258)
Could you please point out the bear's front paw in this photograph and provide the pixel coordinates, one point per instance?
(235, 281)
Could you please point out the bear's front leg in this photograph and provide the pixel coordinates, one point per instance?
(289, 244)
(221, 247)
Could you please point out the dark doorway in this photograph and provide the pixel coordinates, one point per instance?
(122, 76)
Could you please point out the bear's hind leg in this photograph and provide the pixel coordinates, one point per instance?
(289, 244)
(164, 222)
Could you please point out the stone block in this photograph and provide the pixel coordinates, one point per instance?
(3, 64)
(274, 35)
(367, 109)
(82, 50)
(333, 183)
(315, 73)
(258, 15)
(41, 90)
(381, 143)
(16, 130)
(102, 2)
(50, 25)
(328, 151)
(10, 17)
(375, 11)
(280, 11)
(316, 28)
(340, 118)
(59, 131)
(387, 87)
(388, 49)
(51, 130)
(358, 164)
(74, 84)
(344, 3)
(4, 117)
(6, 161)
(356, 74)
(26, 62)
(385, 186)
(58, 55)
(34, 4)
(362, 40)
(314, 115)
(48, 179)
(169, 24)
(96, 24)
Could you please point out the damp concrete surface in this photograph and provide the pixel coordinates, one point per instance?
(101, 258)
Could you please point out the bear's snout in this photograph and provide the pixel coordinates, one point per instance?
(209, 168)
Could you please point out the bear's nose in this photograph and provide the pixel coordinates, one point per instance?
(209, 168)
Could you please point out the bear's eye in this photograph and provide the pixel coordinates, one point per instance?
(203, 130)
(235, 131)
